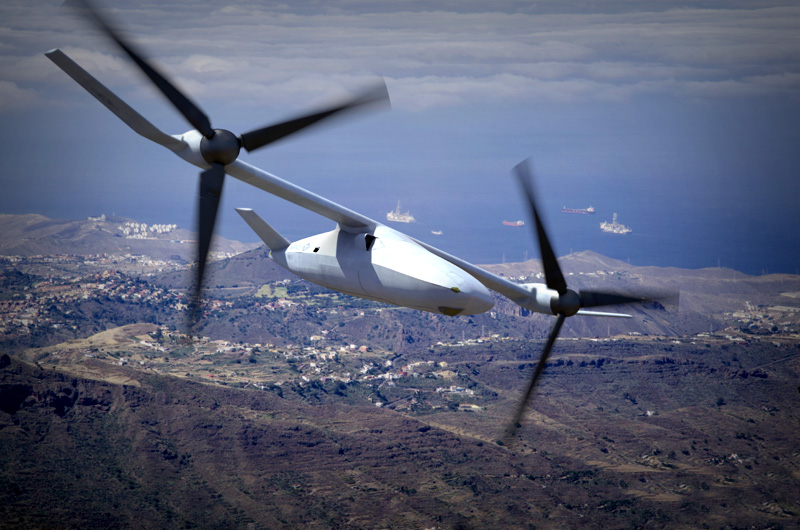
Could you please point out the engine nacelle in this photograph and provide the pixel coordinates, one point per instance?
(546, 300)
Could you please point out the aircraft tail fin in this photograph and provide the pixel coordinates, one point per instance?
(268, 235)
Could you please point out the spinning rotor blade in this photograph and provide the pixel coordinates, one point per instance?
(552, 272)
(185, 106)
(511, 430)
(554, 279)
(567, 303)
(591, 298)
(219, 148)
(260, 137)
(596, 299)
(211, 182)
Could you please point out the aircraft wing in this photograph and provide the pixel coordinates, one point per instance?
(349, 219)
(354, 221)
(345, 217)
(513, 291)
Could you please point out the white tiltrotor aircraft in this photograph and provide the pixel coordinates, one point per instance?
(360, 257)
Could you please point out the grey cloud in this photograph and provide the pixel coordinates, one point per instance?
(609, 50)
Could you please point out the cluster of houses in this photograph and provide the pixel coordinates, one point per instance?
(133, 230)
(48, 303)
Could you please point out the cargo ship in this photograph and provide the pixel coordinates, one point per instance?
(614, 227)
(399, 217)
(589, 210)
(514, 223)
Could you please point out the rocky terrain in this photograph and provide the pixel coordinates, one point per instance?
(622, 434)
(289, 406)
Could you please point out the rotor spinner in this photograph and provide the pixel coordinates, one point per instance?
(222, 148)
(568, 303)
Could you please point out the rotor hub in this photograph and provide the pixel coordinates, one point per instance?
(222, 148)
(566, 304)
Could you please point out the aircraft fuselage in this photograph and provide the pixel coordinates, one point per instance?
(385, 266)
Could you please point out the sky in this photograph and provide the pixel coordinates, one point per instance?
(686, 112)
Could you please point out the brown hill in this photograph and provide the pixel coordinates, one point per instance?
(239, 275)
(165, 453)
(621, 434)
(702, 291)
(33, 234)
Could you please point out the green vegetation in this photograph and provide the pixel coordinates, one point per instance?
(271, 291)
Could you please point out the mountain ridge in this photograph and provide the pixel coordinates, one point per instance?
(35, 234)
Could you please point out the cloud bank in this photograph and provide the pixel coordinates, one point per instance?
(431, 53)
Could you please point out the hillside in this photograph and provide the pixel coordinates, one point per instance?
(710, 292)
(238, 275)
(33, 234)
(621, 435)
(290, 406)
(167, 453)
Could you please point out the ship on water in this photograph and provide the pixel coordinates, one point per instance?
(400, 217)
(589, 210)
(514, 223)
(614, 227)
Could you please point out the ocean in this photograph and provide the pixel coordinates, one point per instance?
(687, 226)
(665, 233)
(685, 223)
